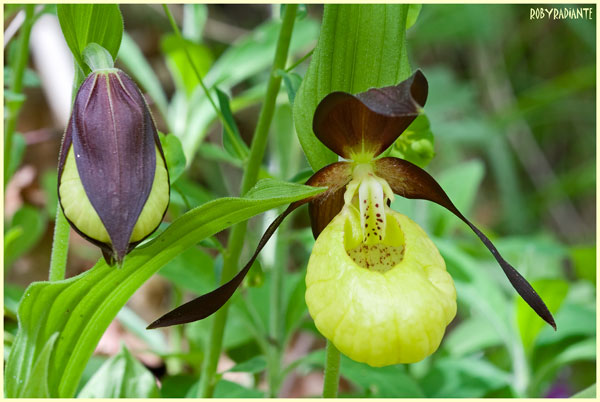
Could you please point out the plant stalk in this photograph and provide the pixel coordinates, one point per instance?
(60, 240)
(18, 72)
(332, 371)
(250, 176)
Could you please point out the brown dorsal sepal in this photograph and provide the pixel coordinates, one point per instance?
(369, 122)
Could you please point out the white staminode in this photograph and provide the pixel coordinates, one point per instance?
(373, 193)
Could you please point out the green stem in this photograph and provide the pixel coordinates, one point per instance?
(60, 247)
(332, 371)
(276, 311)
(238, 232)
(60, 241)
(174, 364)
(18, 72)
(296, 64)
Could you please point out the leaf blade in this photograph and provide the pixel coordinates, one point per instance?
(86, 23)
(82, 307)
(355, 41)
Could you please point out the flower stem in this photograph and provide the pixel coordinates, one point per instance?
(332, 371)
(60, 241)
(60, 247)
(18, 72)
(276, 312)
(238, 232)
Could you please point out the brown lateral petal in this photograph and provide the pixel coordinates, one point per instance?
(335, 176)
(324, 208)
(410, 181)
(369, 122)
(209, 303)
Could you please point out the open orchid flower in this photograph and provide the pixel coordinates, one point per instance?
(377, 286)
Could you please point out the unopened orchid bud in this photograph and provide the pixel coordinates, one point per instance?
(113, 182)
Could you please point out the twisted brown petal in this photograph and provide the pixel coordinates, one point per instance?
(410, 181)
(209, 303)
(335, 176)
(369, 122)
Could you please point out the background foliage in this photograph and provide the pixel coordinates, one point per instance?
(510, 120)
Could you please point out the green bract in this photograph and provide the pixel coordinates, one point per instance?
(113, 181)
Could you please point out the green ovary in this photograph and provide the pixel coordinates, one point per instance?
(381, 304)
(81, 213)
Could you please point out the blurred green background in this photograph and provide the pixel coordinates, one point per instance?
(512, 111)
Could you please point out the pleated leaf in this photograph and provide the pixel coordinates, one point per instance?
(359, 47)
(86, 23)
(81, 308)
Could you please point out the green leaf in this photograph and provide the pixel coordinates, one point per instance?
(213, 152)
(584, 262)
(121, 376)
(12, 295)
(36, 385)
(254, 365)
(18, 150)
(413, 13)
(32, 223)
(581, 351)
(589, 392)
(463, 378)
(30, 77)
(137, 326)
(236, 330)
(174, 155)
(292, 82)
(416, 143)
(461, 183)
(183, 73)
(553, 292)
(296, 306)
(254, 53)
(138, 67)
(90, 23)
(228, 389)
(232, 139)
(381, 382)
(256, 276)
(360, 46)
(82, 307)
(471, 336)
(191, 270)
(573, 320)
(191, 119)
(177, 386)
(49, 184)
(194, 19)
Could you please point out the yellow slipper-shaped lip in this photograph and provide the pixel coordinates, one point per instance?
(395, 314)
